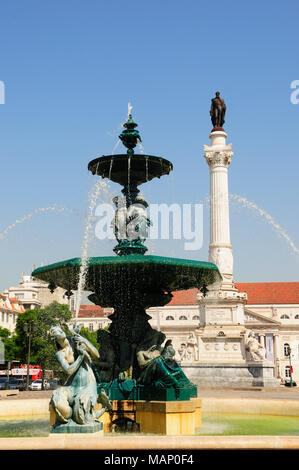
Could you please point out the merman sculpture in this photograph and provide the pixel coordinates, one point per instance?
(159, 368)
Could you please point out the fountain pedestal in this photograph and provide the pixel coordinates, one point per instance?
(170, 418)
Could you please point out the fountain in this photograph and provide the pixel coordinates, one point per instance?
(133, 364)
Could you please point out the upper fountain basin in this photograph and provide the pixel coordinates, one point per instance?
(125, 169)
(149, 272)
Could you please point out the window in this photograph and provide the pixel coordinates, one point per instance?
(183, 318)
(296, 317)
(169, 317)
(287, 371)
(90, 327)
(285, 317)
(19, 296)
(286, 347)
(196, 317)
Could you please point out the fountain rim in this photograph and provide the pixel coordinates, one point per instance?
(129, 259)
(165, 169)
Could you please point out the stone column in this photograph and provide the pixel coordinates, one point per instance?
(218, 157)
(262, 340)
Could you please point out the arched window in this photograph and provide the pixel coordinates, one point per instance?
(169, 317)
(285, 317)
(196, 317)
(286, 347)
(296, 317)
(183, 318)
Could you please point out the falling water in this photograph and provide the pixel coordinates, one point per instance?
(267, 217)
(39, 210)
(146, 168)
(141, 147)
(130, 107)
(129, 174)
(110, 168)
(115, 147)
(99, 186)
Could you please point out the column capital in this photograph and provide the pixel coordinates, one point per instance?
(217, 158)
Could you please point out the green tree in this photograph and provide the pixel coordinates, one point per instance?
(4, 333)
(90, 335)
(11, 349)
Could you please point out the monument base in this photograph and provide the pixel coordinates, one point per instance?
(170, 418)
(253, 374)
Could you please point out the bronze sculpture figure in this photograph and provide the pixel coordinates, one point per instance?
(217, 112)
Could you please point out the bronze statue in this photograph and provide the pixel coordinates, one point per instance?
(217, 112)
(75, 401)
(159, 368)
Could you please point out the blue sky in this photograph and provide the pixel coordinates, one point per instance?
(70, 69)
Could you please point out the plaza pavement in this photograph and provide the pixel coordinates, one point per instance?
(277, 393)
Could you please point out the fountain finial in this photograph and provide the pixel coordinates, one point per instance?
(130, 136)
(130, 107)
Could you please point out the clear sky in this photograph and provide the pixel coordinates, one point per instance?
(71, 67)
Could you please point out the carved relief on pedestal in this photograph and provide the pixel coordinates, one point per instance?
(188, 350)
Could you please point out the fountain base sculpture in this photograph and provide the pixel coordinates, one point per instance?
(74, 404)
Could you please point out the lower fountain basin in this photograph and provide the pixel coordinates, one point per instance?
(149, 273)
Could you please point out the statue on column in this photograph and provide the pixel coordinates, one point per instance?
(217, 112)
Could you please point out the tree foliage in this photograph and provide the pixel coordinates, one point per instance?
(11, 350)
(42, 350)
(90, 335)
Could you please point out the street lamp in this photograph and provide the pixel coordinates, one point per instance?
(289, 351)
(29, 328)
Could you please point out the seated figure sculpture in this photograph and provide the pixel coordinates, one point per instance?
(255, 350)
(159, 368)
(75, 401)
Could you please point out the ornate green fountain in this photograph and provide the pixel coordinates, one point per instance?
(131, 282)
